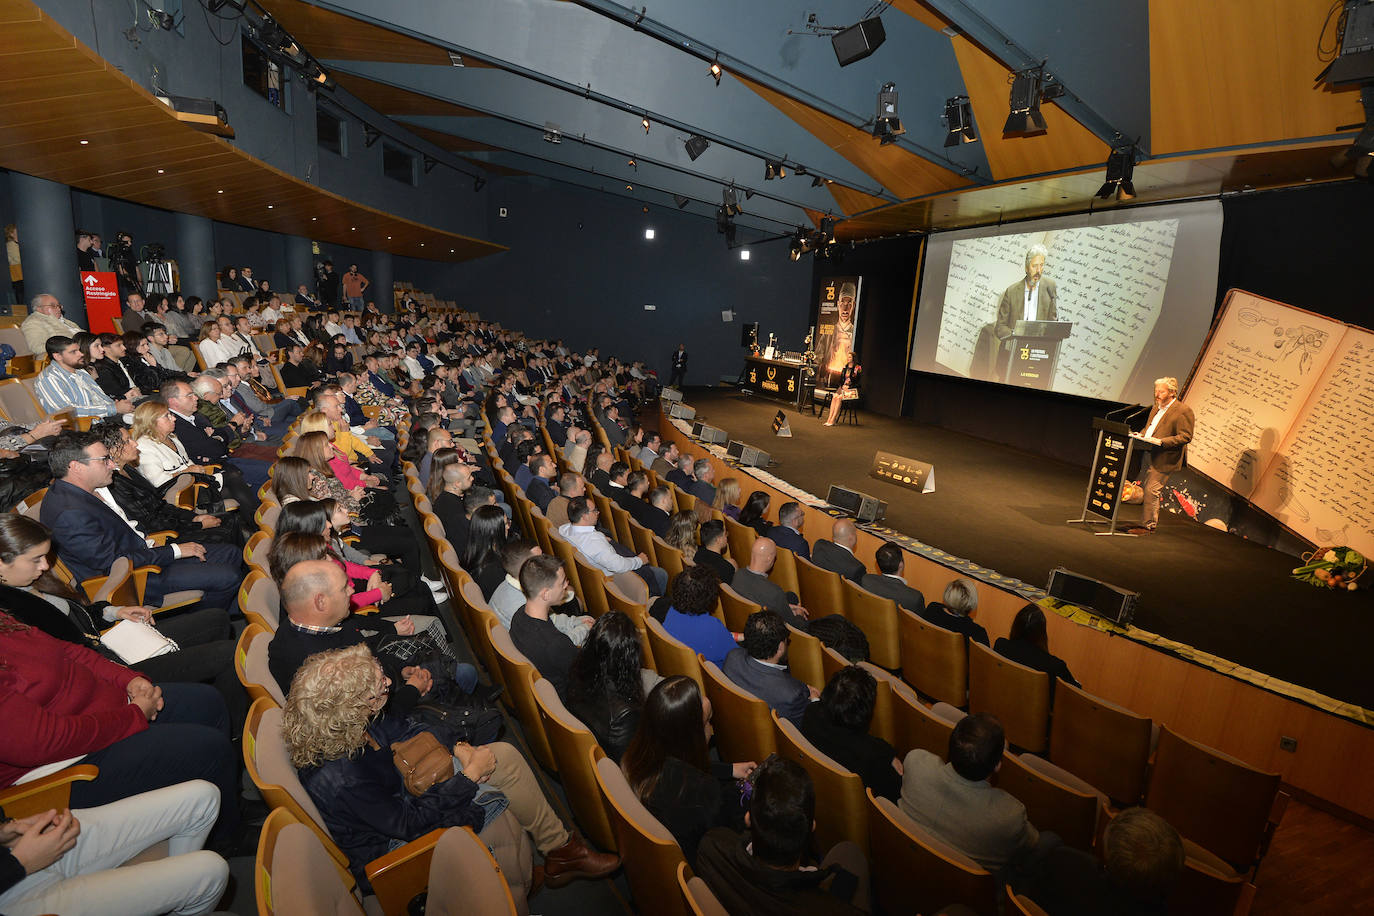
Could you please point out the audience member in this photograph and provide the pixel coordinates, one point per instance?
(689, 619)
(838, 726)
(788, 531)
(752, 582)
(958, 610)
(759, 665)
(64, 384)
(656, 511)
(755, 511)
(45, 320)
(837, 554)
(582, 533)
(727, 498)
(714, 550)
(703, 472)
(545, 584)
(889, 580)
(606, 682)
(1028, 644)
(1142, 859)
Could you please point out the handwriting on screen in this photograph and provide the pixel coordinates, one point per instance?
(1110, 283)
(1284, 403)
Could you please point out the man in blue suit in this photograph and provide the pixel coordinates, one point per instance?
(787, 532)
(759, 666)
(91, 531)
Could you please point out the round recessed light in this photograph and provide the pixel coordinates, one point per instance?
(313, 218)
(269, 206)
(352, 228)
(388, 238)
(220, 191)
(161, 171)
(85, 142)
(450, 251)
(422, 244)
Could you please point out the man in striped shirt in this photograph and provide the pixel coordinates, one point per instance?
(65, 385)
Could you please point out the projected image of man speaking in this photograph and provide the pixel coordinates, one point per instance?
(1032, 298)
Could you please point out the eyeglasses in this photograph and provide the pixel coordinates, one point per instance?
(108, 459)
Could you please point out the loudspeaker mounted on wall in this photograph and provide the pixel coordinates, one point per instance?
(858, 41)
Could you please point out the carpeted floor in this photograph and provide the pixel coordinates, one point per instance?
(1006, 510)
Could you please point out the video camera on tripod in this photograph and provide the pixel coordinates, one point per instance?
(157, 269)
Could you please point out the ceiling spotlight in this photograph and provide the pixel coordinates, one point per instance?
(1120, 167)
(725, 225)
(85, 142)
(744, 254)
(730, 201)
(681, 201)
(370, 135)
(959, 120)
(696, 145)
(553, 135)
(1028, 89)
(632, 164)
(773, 169)
(161, 171)
(629, 187)
(887, 127)
(802, 242)
(817, 182)
(649, 235)
(715, 69)
(644, 123)
(748, 194)
(827, 229)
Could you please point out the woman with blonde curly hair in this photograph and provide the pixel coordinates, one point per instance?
(727, 497)
(339, 739)
(682, 533)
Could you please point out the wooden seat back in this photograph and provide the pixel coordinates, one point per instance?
(1100, 742)
(743, 722)
(1017, 695)
(934, 660)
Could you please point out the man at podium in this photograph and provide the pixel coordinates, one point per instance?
(1169, 430)
(1032, 298)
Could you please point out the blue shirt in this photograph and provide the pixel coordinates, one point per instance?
(701, 633)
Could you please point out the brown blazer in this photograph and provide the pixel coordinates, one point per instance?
(1174, 432)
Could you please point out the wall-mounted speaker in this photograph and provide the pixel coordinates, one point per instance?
(858, 41)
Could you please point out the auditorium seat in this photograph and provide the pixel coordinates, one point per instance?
(934, 660)
(672, 657)
(259, 600)
(1054, 800)
(1021, 905)
(1101, 743)
(914, 872)
(841, 808)
(250, 664)
(519, 675)
(464, 877)
(700, 900)
(593, 585)
(44, 793)
(743, 722)
(736, 608)
(542, 526)
(565, 551)
(642, 541)
(804, 658)
(1214, 800)
(784, 572)
(877, 617)
(915, 725)
(638, 611)
(741, 540)
(650, 855)
(821, 592)
(1017, 695)
(295, 874)
(832, 662)
(669, 559)
(256, 550)
(621, 518)
(571, 742)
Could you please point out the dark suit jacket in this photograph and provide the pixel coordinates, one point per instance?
(449, 508)
(706, 492)
(679, 478)
(942, 617)
(1030, 655)
(766, 592)
(716, 563)
(829, 555)
(623, 498)
(1174, 432)
(89, 535)
(649, 516)
(111, 380)
(1010, 309)
(540, 493)
(786, 537)
(782, 692)
(896, 589)
(200, 444)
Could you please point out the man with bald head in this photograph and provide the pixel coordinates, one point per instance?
(316, 618)
(753, 583)
(837, 554)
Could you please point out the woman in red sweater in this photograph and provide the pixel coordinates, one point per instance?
(62, 703)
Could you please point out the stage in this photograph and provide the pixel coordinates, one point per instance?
(1007, 510)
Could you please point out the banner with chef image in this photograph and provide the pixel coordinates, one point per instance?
(837, 326)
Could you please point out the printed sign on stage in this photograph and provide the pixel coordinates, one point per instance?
(837, 326)
(101, 291)
(1109, 469)
(904, 472)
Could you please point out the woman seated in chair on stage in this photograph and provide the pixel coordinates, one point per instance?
(339, 739)
(846, 389)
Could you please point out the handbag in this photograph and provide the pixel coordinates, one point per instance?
(422, 762)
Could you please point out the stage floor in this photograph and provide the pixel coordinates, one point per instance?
(1006, 510)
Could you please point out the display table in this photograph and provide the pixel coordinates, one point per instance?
(774, 378)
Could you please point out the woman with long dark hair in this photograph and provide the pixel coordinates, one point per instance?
(605, 683)
(487, 534)
(755, 508)
(669, 769)
(33, 595)
(1028, 644)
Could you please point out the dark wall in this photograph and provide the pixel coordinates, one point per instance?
(888, 269)
(580, 268)
(1307, 247)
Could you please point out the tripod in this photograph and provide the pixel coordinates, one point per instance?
(157, 277)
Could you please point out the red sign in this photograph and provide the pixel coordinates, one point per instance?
(102, 300)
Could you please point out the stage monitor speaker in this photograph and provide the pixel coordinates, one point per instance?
(680, 411)
(858, 41)
(747, 454)
(781, 428)
(713, 434)
(670, 394)
(1103, 599)
(863, 507)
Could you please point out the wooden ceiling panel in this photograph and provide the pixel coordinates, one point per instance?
(1224, 75)
(852, 201)
(328, 35)
(904, 174)
(921, 13)
(1066, 145)
(57, 92)
(392, 100)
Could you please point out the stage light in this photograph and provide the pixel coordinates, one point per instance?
(1120, 167)
(681, 201)
(715, 69)
(730, 201)
(1028, 89)
(632, 164)
(801, 244)
(629, 187)
(370, 135)
(725, 225)
(1361, 151)
(648, 234)
(744, 254)
(553, 135)
(696, 145)
(773, 169)
(817, 182)
(644, 123)
(748, 194)
(827, 229)
(959, 120)
(887, 126)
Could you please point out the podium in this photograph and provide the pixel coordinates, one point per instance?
(1111, 463)
(1034, 352)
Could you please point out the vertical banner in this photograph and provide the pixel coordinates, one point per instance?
(837, 325)
(101, 291)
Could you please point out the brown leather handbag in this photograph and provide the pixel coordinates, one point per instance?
(422, 762)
